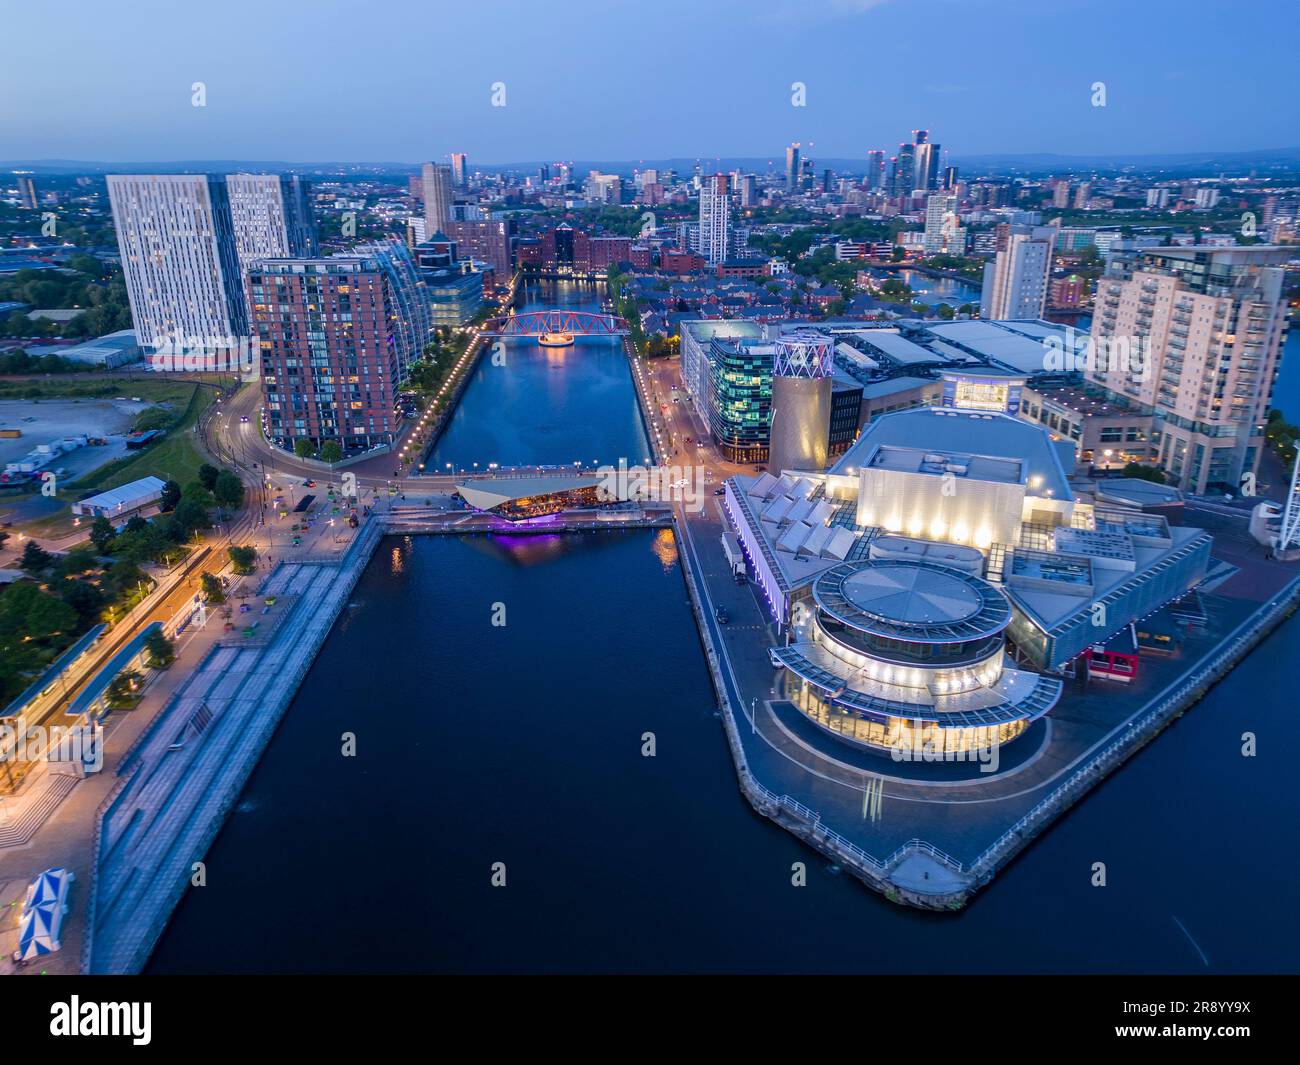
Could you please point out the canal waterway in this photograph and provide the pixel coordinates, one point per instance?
(523, 744)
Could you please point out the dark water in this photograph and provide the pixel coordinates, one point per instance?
(934, 290)
(522, 744)
(1286, 391)
(549, 406)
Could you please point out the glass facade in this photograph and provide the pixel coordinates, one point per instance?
(740, 408)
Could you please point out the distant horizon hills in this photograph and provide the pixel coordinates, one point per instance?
(990, 164)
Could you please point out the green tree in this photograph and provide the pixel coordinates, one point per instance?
(171, 495)
(304, 448)
(76, 561)
(49, 616)
(36, 560)
(244, 559)
(161, 651)
(208, 476)
(102, 533)
(228, 490)
(212, 588)
(330, 452)
(123, 691)
(85, 598)
(124, 576)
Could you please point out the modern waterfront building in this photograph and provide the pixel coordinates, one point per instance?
(436, 179)
(185, 241)
(487, 241)
(180, 259)
(533, 498)
(802, 371)
(977, 491)
(1015, 283)
(740, 397)
(453, 288)
(696, 338)
(715, 218)
(1193, 336)
(906, 652)
(336, 336)
(271, 216)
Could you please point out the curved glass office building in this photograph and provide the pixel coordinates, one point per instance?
(904, 654)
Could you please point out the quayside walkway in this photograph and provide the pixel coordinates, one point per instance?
(186, 771)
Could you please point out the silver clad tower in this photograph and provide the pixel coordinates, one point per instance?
(799, 436)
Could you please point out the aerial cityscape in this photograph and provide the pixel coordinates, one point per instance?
(427, 489)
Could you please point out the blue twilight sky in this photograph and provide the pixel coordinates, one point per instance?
(406, 80)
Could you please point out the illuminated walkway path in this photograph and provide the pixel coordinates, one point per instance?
(188, 769)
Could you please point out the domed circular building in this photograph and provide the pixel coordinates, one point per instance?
(907, 655)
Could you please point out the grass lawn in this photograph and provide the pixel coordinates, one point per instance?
(175, 458)
(160, 391)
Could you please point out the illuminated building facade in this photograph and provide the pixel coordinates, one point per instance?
(336, 336)
(904, 653)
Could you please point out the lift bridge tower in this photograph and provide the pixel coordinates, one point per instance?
(1287, 543)
(799, 437)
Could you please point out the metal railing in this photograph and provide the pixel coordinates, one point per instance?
(1175, 697)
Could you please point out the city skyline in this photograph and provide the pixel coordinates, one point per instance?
(494, 105)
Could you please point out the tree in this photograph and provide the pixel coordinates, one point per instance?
(898, 254)
(124, 575)
(945, 312)
(171, 496)
(330, 452)
(304, 448)
(162, 652)
(122, 692)
(36, 560)
(102, 533)
(50, 616)
(244, 559)
(85, 598)
(228, 490)
(76, 561)
(191, 513)
(208, 476)
(212, 588)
